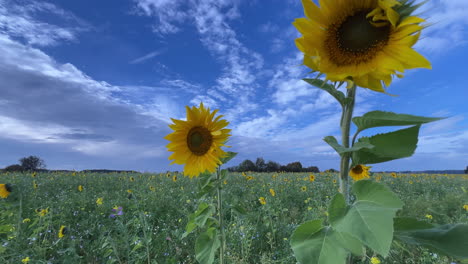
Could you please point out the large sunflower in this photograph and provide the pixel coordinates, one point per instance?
(366, 41)
(197, 142)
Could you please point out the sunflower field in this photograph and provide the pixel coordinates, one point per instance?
(141, 218)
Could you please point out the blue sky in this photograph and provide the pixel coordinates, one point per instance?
(93, 84)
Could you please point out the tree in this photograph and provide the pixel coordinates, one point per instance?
(32, 163)
(260, 164)
(14, 167)
(246, 165)
(312, 169)
(272, 166)
(466, 171)
(294, 167)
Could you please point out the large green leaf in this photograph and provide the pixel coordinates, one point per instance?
(451, 239)
(331, 140)
(388, 146)
(337, 208)
(339, 96)
(313, 243)
(230, 155)
(206, 245)
(370, 218)
(381, 118)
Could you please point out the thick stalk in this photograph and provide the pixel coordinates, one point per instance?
(345, 125)
(220, 216)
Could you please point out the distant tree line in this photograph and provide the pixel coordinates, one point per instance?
(271, 166)
(31, 163)
(466, 170)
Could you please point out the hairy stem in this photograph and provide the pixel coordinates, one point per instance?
(220, 216)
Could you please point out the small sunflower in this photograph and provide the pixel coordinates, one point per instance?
(375, 260)
(174, 178)
(311, 177)
(62, 232)
(272, 192)
(465, 207)
(393, 175)
(367, 42)
(303, 188)
(197, 142)
(359, 172)
(99, 201)
(262, 200)
(25, 260)
(5, 190)
(152, 188)
(80, 188)
(42, 212)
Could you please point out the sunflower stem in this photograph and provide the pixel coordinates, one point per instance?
(345, 125)
(220, 216)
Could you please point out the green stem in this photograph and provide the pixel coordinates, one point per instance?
(345, 125)
(220, 216)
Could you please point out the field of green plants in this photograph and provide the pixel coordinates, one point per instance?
(140, 218)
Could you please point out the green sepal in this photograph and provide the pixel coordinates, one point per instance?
(338, 95)
(206, 245)
(387, 146)
(331, 140)
(450, 240)
(226, 159)
(381, 119)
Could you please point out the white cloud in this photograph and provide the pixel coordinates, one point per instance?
(147, 56)
(19, 21)
(169, 13)
(448, 27)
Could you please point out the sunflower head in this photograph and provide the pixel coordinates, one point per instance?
(197, 141)
(366, 42)
(359, 172)
(262, 200)
(5, 190)
(62, 232)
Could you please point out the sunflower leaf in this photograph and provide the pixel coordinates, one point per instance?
(370, 218)
(206, 246)
(381, 118)
(314, 243)
(388, 146)
(450, 240)
(338, 95)
(340, 149)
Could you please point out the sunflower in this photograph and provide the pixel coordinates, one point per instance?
(359, 172)
(42, 212)
(262, 200)
(311, 177)
(303, 188)
(80, 188)
(5, 190)
(174, 178)
(62, 231)
(272, 192)
(197, 142)
(365, 41)
(99, 201)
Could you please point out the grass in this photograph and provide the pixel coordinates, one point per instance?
(155, 210)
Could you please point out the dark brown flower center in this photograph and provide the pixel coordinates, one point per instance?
(355, 40)
(357, 169)
(8, 188)
(199, 140)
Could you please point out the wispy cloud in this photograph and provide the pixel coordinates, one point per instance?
(148, 56)
(21, 21)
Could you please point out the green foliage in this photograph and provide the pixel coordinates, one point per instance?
(230, 156)
(206, 245)
(370, 217)
(340, 149)
(313, 243)
(388, 146)
(338, 95)
(381, 119)
(449, 239)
